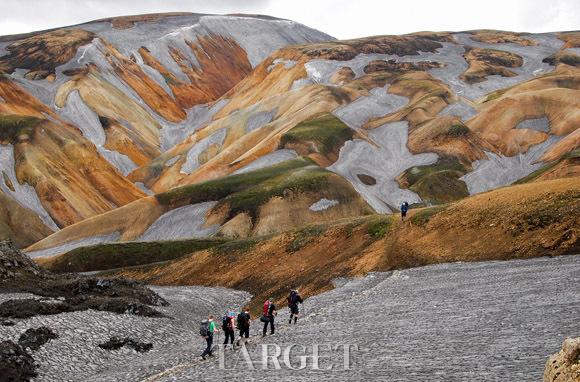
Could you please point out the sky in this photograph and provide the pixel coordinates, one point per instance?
(339, 18)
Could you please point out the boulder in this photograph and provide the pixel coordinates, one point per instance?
(116, 343)
(15, 363)
(564, 366)
(34, 338)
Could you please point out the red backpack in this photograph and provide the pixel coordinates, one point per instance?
(266, 307)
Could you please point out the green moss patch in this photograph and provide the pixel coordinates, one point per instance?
(14, 126)
(379, 228)
(327, 132)
(118, 255)
(235, 247)
(439, 182)
(247, 192)
(304, 236)
(458, 130)
(422, 217)
(7, 181)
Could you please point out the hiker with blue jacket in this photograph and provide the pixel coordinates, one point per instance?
(404, 209)
(293, 300)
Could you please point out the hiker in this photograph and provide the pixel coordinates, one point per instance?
(244, 324)
(269, 312)
(228, 326)
(207, 330)
(293, 300)
(404, 209)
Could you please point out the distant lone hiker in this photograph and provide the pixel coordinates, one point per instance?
(404, 209)
(206, 331)
(293, 300)
(244, 320)
(269, 312)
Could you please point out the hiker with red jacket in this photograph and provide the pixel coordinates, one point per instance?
(268, 314)
(229, 326)
(293, 300)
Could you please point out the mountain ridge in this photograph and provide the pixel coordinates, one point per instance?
(202, 99)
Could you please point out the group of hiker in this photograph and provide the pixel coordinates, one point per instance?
(242, 322)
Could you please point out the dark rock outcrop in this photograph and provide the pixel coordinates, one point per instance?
(392, 66)
(67, 292)
(34, 338)
(13, 263)
(26, 308)
(15, 363)
(116, 343)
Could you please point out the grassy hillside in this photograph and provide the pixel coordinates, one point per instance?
(535, 219)
(118, 255)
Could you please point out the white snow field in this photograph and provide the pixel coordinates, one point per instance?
(485, 321)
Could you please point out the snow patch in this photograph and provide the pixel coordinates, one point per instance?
(144, 188)
(181, 223)
(384, 162)
(498, 170)
(197, 117)
(288, 64)
(459, 109)
(66, 247)
(323, 204)
(24, 194)
(267, 160)
(76, 111)
(378, 103)
(300, 83)
(538, 124)
(192, 161)
(260, 119)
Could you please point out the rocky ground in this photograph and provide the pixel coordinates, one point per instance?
(75, 355)
(451, 322)
(487, 321)
(71, 327)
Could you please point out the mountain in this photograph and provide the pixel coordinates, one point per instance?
(83, 106)
(176, 126)
(338, 129)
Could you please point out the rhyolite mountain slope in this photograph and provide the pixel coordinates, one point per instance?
(83, 106)
(178, 126)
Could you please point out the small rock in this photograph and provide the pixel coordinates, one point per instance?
(116, 343)
(35, 338)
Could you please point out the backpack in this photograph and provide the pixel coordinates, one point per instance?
(225, 320)
(204, 328)
(231, 324)
(266, 307)
(242, 320)
(292, 299)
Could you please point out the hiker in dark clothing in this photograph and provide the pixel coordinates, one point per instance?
(293, 300)
(209, 328)
(269, 312)
(244, 324)
(404, 209)
(229, 325)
